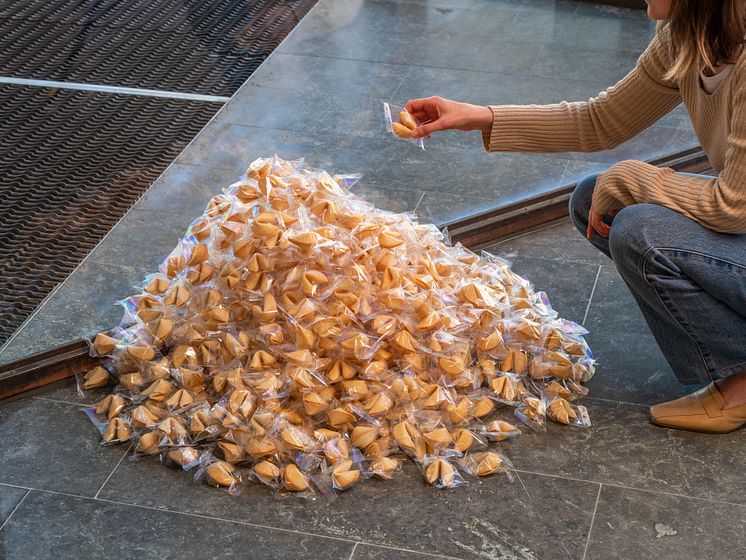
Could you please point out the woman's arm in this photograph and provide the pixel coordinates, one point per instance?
(621, 112)
(718, 204)
(615, 115)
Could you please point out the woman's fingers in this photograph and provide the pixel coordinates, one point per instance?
(596, 223)
(429, 128)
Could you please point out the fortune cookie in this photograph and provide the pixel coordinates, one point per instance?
(407, 120)
(384, 467)
(111, 406)
(499, 430)
(363, 436)
(267, 472)
(103, 344)
(97, 377)
(483, 407)
(295, 480)
(148, 442)
(221, 473)
(344, 475)
(183, 456)
(487, 463)
(439, 437)
(440, 472)
(561, 411)
(400, 130)
(117, 430)
(463, 439)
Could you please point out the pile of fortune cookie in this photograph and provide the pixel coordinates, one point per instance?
(300, 338)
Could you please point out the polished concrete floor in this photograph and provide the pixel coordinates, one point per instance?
(597, 493)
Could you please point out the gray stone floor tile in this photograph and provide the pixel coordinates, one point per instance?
(607, 66)
(623, 447)
(53, 446)
(568, 287)
(185, 190)
(225, 146)
(10, 497)
(492, 516)
(441, 208)
(51, 526)
(561, 242)
(492, 88)
(83, 305)
(653, 142)
(318, 94)
(625, 523)
(86, 300)
(630, 366)
(144, 238)
(583, 31)
(67, 391)
(39, 335)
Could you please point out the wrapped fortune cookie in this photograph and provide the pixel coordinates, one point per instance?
(97, 377)
(221, 473)
(295, 480)
(344, 474)
(440, 472)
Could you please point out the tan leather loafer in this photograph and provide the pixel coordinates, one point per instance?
(701, 411)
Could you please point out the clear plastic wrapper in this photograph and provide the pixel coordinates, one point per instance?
(563, 412)
(400, 123)
(441, 473)
(485, 463)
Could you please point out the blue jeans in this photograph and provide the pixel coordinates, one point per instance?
(689, 282)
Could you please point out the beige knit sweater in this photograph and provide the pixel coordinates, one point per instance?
(626, 109)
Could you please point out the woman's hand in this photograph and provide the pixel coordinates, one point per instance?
(443, 114)
(596, 223)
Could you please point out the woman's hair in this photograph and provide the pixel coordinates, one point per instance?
(705, 33)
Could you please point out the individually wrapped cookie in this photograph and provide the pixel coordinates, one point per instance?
(401, 123)
(384, 467)
(485, 463)
(532, 412)
(499, 430)
(441, 473)
(183, 457)
(219, 473)
(563, 412)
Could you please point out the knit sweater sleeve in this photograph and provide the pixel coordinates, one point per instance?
(624, 110)
(718, 203)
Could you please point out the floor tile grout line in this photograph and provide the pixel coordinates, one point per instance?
(593, 519)
(633, 488)
(223, 519)
(82, 405)
(14, 509)
(600, 399)
(524, 234)
(352, 553)
(422, 196)
(118, 90)
(126, 452)
(590, 298)
(548, 475)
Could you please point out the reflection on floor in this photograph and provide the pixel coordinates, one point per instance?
(595, 494)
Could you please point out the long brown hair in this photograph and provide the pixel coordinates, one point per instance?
(705, 32)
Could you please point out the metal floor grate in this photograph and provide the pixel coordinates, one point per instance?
(73, 162)
(195, 46)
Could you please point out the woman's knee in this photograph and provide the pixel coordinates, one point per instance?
(580, 201)
(635, 231)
